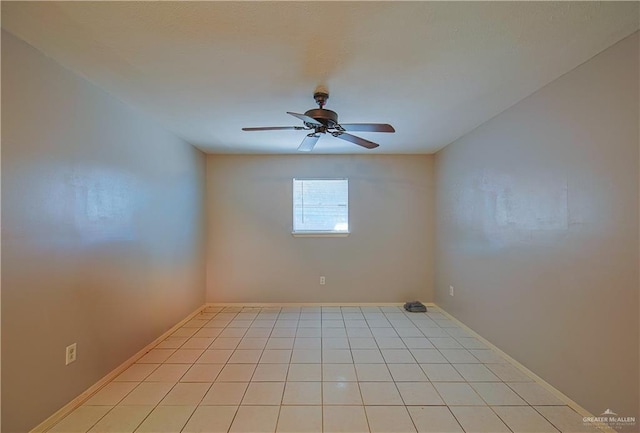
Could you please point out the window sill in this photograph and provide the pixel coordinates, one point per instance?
(320, 234)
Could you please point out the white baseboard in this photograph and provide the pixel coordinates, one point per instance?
(73, 404)
(309, 304)
(572, 404)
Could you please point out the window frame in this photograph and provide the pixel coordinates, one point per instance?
(319, 233)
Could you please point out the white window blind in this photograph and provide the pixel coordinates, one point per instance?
(320, 206)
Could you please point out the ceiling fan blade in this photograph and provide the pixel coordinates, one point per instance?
(305, 118)
(308, 143)
(368, 127)
(273, 128)
(357, 140)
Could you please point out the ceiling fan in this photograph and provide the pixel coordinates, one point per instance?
(322, 121)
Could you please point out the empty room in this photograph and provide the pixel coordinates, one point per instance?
(326, 216)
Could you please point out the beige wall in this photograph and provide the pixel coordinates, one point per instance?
(102, 228)
(252, 256)
(537, 230)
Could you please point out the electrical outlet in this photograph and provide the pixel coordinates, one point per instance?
(451, 290)
(322, 281)
(71, 354)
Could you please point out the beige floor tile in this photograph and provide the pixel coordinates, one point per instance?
(233, 332)
(215, 356)
(337, 356)
(249, 356)
(156, 356)
(333, 332)
(198, 343)
(535, 394)
(255, 419)
(397, 356)
(487, 356)
(202, 373)
(498, 394)
(524, 419)
(280, 343)
(344, 419)
(306, 356)
(81, 419)
(308, 332)
(280, 332)
(479, 419)
(367, 356)
(147, 393)
(419, 394)
(445, 343)
(111, 394)
(264, 393)
(335, 343)
(407, 373)
(211, 419)
(270, 373)
(389, 419)
(236, 373)
(441, 373)
(373, 373)
(341, 393)
(168, 373)
(359, 333)
(459, 356)
(338, 373)
(457, 394)
(208, 332)
(252, 343)
(433, 331)
(275, 356)
(508, 373)
(223, 342)
(565, 419)
(184, 356)
(362, 343)
(458, 332)
(425, 356)
(471, 343)
(380, 393)
(409, 332)
(257, 332)
(434, 419)
(390, 343)
(307, 343)
(476, 373)
(136, 373)
(355, 323)
(185, 394)
(417, 343)
(225, 394)
(172, 343)
(305, 372)
(302, 393)
(166, 419)
(122, 419)
(300, 419)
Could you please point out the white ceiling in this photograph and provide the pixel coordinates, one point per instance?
(434, 70)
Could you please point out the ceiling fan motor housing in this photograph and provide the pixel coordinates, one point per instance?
(327, 117)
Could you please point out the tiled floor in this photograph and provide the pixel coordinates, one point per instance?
(331, 369)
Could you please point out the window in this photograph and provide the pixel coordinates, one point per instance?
(320, 207)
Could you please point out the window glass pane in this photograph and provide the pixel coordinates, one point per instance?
(320, 205)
